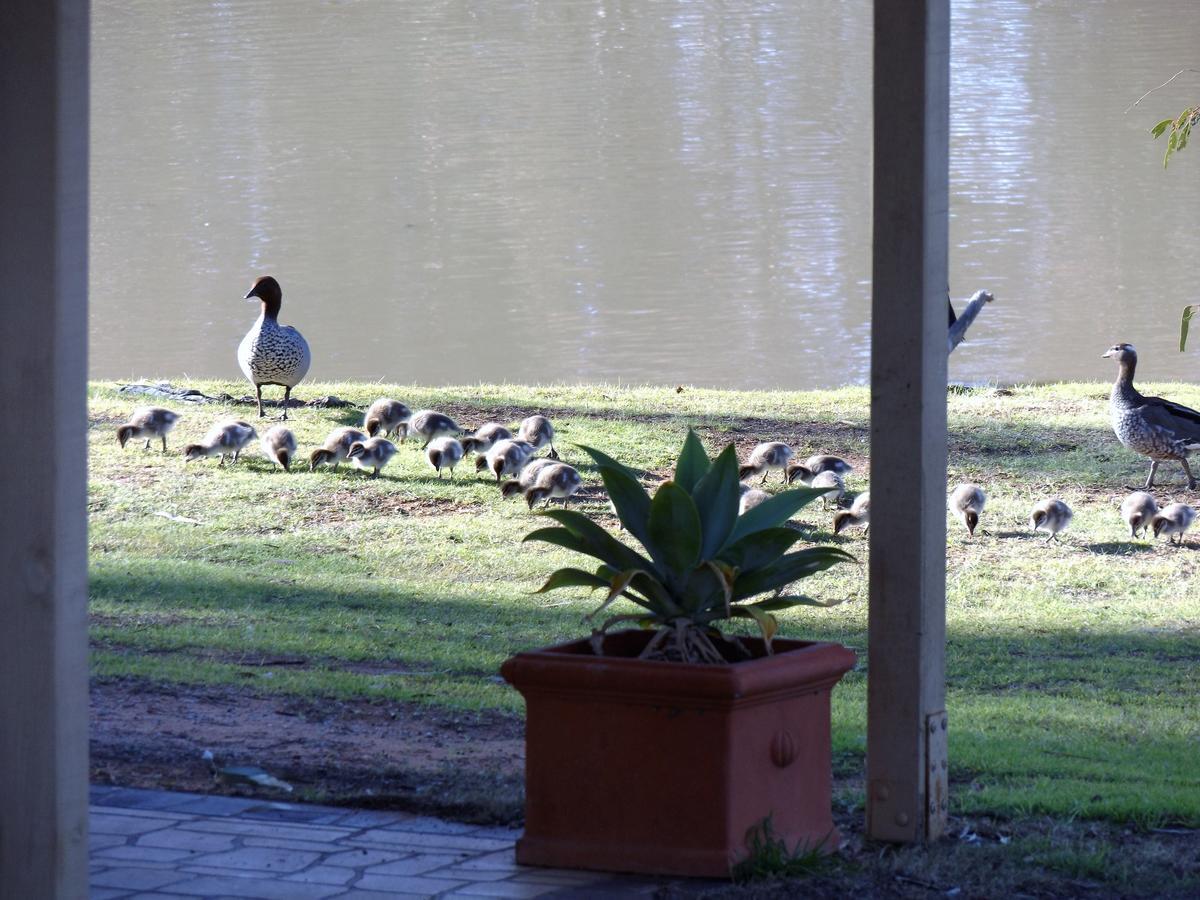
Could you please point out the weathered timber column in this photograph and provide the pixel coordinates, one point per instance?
(43, 524)
(906, 721)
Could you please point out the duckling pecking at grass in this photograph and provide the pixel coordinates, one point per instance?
(538, 431)
(806, 471)
(1050, 516)
(444, 453)
(279, 446)
(967, 502)
(431, 424)
(1138, 510)
(557, 481)
(506, 457)
(226, 438)
(386, 417)
(148, 422)
(336, 447)
(1173, 519)
(833, 485)
(373, 453)
(483, 437)
(764, 458)
(526, 478)
(859, 515)
(750, 498)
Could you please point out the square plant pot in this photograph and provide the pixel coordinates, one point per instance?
(662, 767)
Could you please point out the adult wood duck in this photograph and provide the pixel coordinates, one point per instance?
(1151, 426)
(271, 353)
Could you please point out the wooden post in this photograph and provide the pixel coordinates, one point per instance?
(43, 424)
(906, 719)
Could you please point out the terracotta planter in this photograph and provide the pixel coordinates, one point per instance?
(640, 766)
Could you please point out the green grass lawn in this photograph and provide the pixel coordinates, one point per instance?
(1072, 667)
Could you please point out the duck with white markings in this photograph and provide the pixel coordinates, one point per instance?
(431, 424)
(386, 417)
(336, 447)
(279, 446)
(765, 457)
(1173, 519)
(444, 453)
(373, 453)
(1052, 517)
(1138, 510)
(226, 438)
(148, 422)
(271, 353)
(967, 502)
(1156, 428)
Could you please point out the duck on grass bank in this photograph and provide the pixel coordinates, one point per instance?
(806, 471)
(557, 481)
(336, 447)
(431, 424)
(226, 438)
(148, 422)
(444, 453)
(373, 453)
(526, 478)
(1174, 519)
(506, 457)
(386, 417)
(279, 446)
(1138, 510)
(271, 353)
(538, 431)
(967, 502)
(859, 515)
(764, 458)
(483, 437)
(1050, 516)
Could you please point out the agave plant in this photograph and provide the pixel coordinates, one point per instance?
(702, 561)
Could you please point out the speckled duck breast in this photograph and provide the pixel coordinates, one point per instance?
(271, 353)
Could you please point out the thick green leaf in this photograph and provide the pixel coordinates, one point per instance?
(773, 513)
(1188, 312)
(674, 527)
(604, 461)
(706, 589)
(617, 588)
(693, 463)
(1161, 127)
(569, 577)
(716, 496)
(559, 536)
(760, 549)
(787, 601)
(645, 583)
(631, 502)
(767, 623)
(789, 568)
(598, 542)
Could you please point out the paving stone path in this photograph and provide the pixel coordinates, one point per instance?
(155, 845)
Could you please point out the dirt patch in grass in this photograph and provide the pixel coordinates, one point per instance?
(361, 753)
(349, 505)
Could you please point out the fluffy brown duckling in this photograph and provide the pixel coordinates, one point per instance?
(833, 486)
(148, 422)
(226, 438)
(386, 417)
(444, 453)
(764, 458)
(1138, 510)
(373, 453)
(859, 514)
(431, 424)
(1173, 519)
(506, 457)
(483, 437)
(336, 447)
(526, 478)
(806, 471)
(1051, 516)
(751, 497)
(537, 431)
(557, 481)
(967, 502)
(279, 446)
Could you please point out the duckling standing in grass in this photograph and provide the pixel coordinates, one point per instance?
(1174, 519)
(967, 502)
(527, 478)
(279, 446)
(858, 514)
(226, 438)
(431, 424)
(1051, 516)
(1138, 510)
(835, 487)
(764, 458)
(483, 437)
(373, 453)
(148, 422)
(538, 431)
(336, 447)
(506, 457)
(751, 497)
(806, 471)
(444, 453)
(387, 417)
(554, 482)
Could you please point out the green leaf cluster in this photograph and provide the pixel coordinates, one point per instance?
(1180, 130)
(701, 562)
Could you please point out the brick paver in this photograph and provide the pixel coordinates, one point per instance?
(157, 845)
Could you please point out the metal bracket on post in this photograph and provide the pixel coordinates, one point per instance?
(937, 775)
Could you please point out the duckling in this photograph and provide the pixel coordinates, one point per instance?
(527, 478)
(271, 353)
(538, 431)
(1138, 511)
(226, 437)
(444, 453)
(1174, 519)
(1051, 516)
(555, 481)
(148, 422)
(387, 416)
(336, 447)
(751, 497)
(279, 446)
(858, 514)
(832, 481)
(764, 458)
(373, 453)
(506, 457)
(483, 437)
(967, 502)
(813, 466)
(430, 424)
